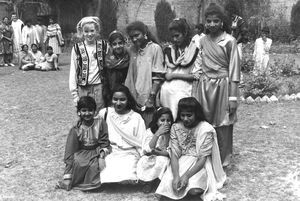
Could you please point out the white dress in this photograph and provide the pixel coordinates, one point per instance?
(17, 27)
(261, 55)
(125, 134)
(151, 167)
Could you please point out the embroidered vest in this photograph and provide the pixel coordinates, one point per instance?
(83, 61)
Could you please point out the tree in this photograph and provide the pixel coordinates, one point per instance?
(295, 19)
(108, 16)
(163, 16)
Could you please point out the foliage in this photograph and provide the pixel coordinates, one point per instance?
(295, 19)
(260, 85)
(284, 67)
(163, 16)
(108, 16)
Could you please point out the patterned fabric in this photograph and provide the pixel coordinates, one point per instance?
(54, 37)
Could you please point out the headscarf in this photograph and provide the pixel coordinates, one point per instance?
(86, 20)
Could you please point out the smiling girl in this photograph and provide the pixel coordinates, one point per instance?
(87, 63)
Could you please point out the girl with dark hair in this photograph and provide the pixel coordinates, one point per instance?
(180, 59)
(27, 59)
(217, 89)
(50, 61)
(152, 165)
(126, 130)
(195, 167)
(86, 148)
(54, 36)
(146, 68)
(116, 59)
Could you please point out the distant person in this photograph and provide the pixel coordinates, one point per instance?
(41, 30)
(29, 34)
(37, 54)
(54, 37)
(17, 26)
(199, 33)
(27, 60)
(261, 52)
(7, 42)
(86, 149)
(49, 62)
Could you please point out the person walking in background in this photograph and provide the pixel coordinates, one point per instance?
(180, 61)
(7, 42)
(17, 26)
(217, 88)
(146, 69)
(261, 52)
(54, 37)
(29, 34)
(87, 77)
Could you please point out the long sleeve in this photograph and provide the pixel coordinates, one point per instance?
(72, 146)
(234, 62)
(174, 143)
(158, 61)
(104, 143)
(146, 139)
(73, 77)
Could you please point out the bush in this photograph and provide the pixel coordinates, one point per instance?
(163, 17)
(108, 16)
(284, 66)
(295, 19)
(260, 85)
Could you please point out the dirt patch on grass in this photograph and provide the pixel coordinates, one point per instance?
(37, 113)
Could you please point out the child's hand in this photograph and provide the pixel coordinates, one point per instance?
(163, 129)
(169, 76)
(102, 164)
(176, 184)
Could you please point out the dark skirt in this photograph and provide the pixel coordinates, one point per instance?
(86, 171)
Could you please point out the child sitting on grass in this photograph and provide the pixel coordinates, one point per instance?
(86, 147)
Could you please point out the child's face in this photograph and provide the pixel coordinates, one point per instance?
(165, 119)
(120, 101)
(89, 32)
(34, 48)
(177, 37)
(118, 46)
(86, 114)
(50, 51)
(188, 118)
(213, 23)
(137, 38)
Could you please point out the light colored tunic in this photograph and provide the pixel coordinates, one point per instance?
(151, 167)
(261, 55)
(126, 132)
(172, 91)
(29, 35)
(17, 27)
(48, 63)
(142, 64)
(38, 57)
(188, 145)
(54, 35)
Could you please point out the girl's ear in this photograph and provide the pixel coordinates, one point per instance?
(78, 113)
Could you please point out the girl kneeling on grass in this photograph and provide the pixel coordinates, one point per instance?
(86, 147)
(195, 160)
(152, 165)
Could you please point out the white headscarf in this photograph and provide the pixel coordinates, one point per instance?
(86, 20)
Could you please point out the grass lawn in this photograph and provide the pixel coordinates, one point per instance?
(36, 113)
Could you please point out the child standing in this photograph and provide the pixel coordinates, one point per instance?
(261, 52)
(87, 62)
(153, 164)
(86, 147)
(195, 160)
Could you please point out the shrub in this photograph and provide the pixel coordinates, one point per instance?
(163, 16)
(260, 85)
(295, 19)
(284, 66)
(108, 16)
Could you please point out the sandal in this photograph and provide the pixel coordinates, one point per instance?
(62, 185)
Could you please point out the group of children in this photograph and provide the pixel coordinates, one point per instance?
(151, 115)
